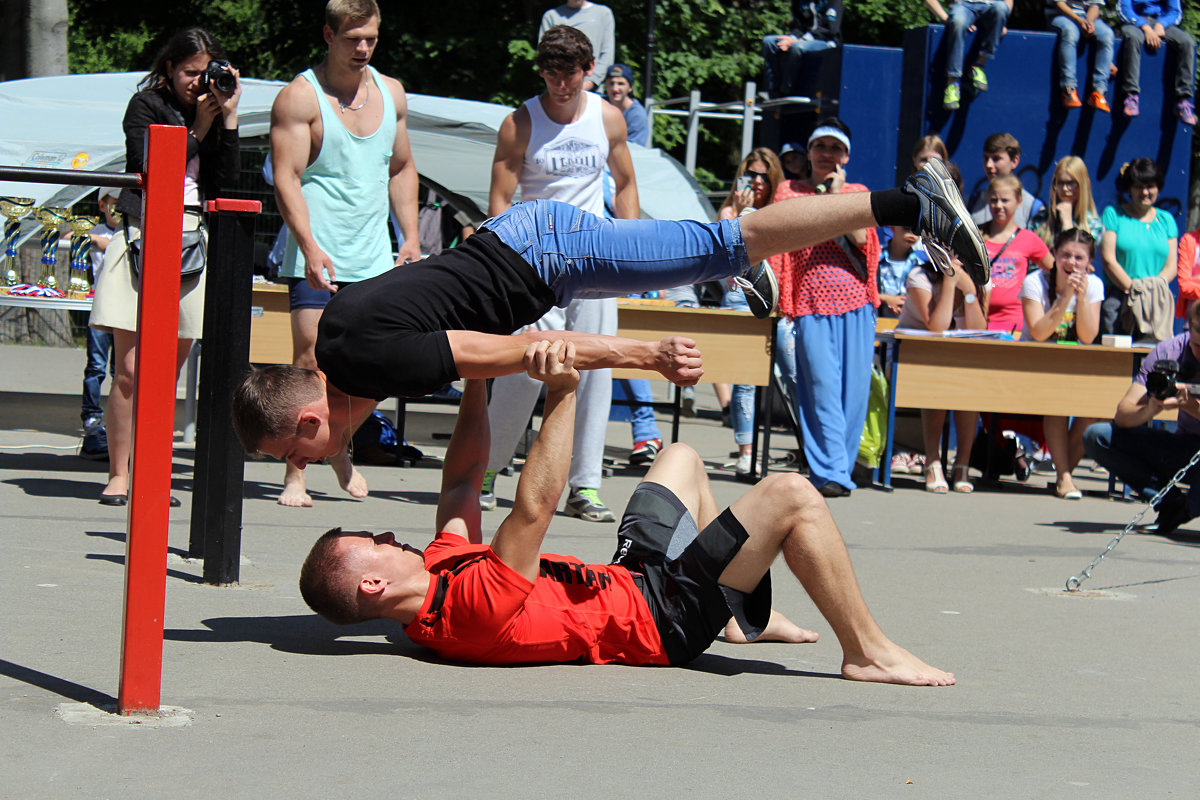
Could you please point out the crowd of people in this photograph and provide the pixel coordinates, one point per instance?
(794, 235)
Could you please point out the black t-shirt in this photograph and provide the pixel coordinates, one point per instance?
(386, 336)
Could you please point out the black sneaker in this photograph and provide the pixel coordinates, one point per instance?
(945, 223)
(761, 289)
(95, 445)
(1172, 512)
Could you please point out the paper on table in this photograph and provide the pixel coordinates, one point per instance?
(956, 333)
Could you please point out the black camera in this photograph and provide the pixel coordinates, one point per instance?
(219, 75)
(1160, 381)
(1163, 381)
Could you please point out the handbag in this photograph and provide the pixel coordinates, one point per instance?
(192, 257)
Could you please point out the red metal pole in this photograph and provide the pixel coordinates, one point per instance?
(154, 422)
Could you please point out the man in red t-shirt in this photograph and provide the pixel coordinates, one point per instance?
(681, 570)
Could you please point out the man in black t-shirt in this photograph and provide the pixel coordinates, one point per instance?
(408, 332)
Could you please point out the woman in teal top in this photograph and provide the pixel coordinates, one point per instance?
(1139, 239)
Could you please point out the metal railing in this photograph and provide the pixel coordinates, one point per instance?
(748, 110)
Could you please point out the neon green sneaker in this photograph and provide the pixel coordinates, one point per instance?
(587, 505)
(487, 492)
(979, 79)
(952, 97)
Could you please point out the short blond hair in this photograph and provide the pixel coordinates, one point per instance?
(339, 12)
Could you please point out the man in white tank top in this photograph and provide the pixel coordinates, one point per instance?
(555, 146)
(340, 124)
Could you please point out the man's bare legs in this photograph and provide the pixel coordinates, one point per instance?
(295, 493)
(682, 471)
(784, 513)
(801, 222)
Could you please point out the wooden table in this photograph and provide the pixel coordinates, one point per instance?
(270, 325)
(1005, 377)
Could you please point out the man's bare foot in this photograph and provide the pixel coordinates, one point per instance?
(294, 494)
(348, 477)
(779, 629)
(894, 664)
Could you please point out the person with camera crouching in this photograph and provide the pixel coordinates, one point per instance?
(1147, 458)
(192, 84)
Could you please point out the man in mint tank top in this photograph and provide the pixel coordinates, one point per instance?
(341, 157)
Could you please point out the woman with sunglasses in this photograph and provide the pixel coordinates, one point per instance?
(1071, 204)
(753, 187)
(1063, 304)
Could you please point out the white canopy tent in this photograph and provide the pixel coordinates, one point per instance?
(74, 122)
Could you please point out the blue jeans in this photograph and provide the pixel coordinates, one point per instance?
(580, 255)
(1185, 60)
(741, 397)
(1069, 35)
(1144, 457)
(99, 361)
(989, 19)
(781, 68)
(641, 416)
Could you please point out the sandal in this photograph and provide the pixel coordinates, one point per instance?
(962, 484)
(935, 481)
(1068, 494)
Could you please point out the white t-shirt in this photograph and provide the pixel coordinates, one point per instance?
(1037, 287)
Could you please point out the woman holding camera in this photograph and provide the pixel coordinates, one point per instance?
(753, 187)
(190, 84)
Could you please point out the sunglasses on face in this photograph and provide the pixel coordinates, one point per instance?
(1066, 182)
(751, 174)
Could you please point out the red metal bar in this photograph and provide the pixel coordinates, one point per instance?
(154, 422)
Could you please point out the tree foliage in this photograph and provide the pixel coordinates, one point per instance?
(485, 51)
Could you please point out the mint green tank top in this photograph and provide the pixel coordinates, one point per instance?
(346, 189)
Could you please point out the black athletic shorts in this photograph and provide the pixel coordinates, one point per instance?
(677, 568)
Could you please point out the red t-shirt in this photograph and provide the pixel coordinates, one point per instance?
(1008, 273)
(481, 611)
(820, 279)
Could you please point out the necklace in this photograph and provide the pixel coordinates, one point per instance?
(343, 106)
(346, 108)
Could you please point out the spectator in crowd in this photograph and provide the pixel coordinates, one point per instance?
(597, 24)
(1188, 265)
(753, 187)
(938, 303)
(1071, 204)
(1145, 457)
(340, 158)
(1150, 23)
(1012, 250)
(1077, 21)
(618, 90)
(1063, 304)
(829, 290)
(816, 25)
(555, 147)
(171, 94)
(1002, 156)
(927, 147)
(988, 18)
(896, 260)
(99, 343)
(1140, 252)
(794, 160)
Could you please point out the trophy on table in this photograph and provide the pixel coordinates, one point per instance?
(51, 218)
(81, 250)
(14, 208)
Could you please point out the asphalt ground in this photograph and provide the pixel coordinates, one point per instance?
(1084, 695)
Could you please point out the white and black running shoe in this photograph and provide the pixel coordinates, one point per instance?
(946, 224)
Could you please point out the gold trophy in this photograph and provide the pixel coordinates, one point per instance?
(51, 218)
(14, 208)
(81, 249)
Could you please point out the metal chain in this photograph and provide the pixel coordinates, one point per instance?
(1074, 582)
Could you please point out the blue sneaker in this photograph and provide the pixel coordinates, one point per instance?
(761, 289)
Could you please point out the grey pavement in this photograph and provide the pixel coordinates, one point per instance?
(1091, 695)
